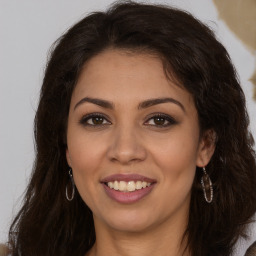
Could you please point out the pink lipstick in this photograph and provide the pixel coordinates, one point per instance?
(128, 197)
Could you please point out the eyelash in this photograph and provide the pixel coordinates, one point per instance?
(86, 118)
(170, 121)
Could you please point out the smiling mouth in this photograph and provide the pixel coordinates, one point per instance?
(129, 186)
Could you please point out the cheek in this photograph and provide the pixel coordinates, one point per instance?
(178, 165)
(176, 158)
(86, 154)
(177, 149)
(85, 151)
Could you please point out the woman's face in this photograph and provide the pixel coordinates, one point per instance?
(133, 142)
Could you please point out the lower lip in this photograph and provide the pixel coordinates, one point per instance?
(128, 197)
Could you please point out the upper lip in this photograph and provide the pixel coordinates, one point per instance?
(127, 177)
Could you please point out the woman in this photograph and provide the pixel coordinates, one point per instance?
(142, 142)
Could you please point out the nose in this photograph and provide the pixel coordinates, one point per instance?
(126, 147)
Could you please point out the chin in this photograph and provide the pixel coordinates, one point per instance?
(130, 221)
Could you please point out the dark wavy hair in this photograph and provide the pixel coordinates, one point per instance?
(48, 224)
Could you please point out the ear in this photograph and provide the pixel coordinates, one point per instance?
(206, 148)
(68, 157)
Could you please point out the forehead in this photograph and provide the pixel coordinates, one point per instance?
(127, 76)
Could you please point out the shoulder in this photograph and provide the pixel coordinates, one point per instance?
(251, 251)
(4, 251)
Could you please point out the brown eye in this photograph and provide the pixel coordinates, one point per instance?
(160, 120)
(94, 120)
(97, 120)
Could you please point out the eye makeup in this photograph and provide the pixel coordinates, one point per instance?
(160, 120)
(94, 120)
(156, 120)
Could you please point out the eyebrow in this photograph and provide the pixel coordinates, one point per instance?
(99, 102)
(152, 102)
(142, 105)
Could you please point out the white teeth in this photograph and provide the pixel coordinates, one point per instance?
(111, 184)
(131, 186)
(122, 186)
(144, 184)
(128, 186)
(116, 185)
(138, 185)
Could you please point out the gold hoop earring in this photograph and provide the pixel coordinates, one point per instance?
(207, 186)
(73, 187)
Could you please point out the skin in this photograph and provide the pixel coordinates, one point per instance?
(129, 140)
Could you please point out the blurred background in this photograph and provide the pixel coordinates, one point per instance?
(27, 30)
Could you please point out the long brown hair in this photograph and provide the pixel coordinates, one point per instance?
(48, 224)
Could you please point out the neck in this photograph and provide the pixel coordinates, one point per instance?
(154, 241)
